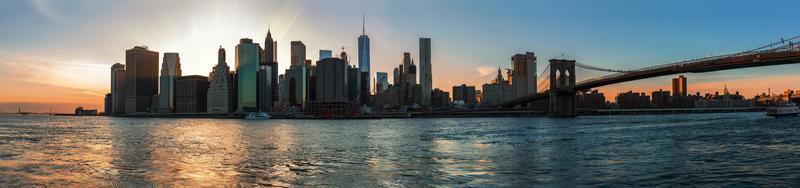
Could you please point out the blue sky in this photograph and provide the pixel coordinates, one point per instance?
(69, 46)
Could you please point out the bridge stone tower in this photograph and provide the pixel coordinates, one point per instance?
(562, 84)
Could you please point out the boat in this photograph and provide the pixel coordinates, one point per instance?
(788, 109)
(257, 116)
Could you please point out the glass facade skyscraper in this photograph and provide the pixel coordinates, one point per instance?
(363, 57)
(247, 60)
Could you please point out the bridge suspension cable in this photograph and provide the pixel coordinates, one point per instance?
(601, 69)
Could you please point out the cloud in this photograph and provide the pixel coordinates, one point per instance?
(484, 71)
(46, 9)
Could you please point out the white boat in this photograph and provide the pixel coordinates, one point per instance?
(257, 116)
(789, 109)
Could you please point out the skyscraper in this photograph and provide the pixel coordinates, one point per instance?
(141, 79)
(382, 84)
(298, 53)
(325, 54)
(425, 76)
(679, 86)
(191, 94)
(220, 99)
(364, 59)
(170, 71)
(332, 80)
(271, 59)
(117, 89)
(247, 62)
(523, 80)
(296, 81)
(264, 80)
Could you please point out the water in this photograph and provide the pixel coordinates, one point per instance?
(739, 149)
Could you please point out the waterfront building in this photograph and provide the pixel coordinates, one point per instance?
(79, 111)
(264, 88)
(271, 59)
(726, 100)
(282, 89)
(170, 71)
(465, 94)
(247, 62)
(107, 104)
(425, 76)
(679, 86)
(382, 82)
(117, 89)
(496, 92)
(298, 53)
(332, 74)
(590, 100)
(191, 94)
(524, 76)
(660, 99)
(325, 54)
(296, 80)
(220, 92)
(364, 64)
(632, 100)
(440, 99)
(141, 80)
(353, 83)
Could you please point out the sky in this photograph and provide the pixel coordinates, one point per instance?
(58, 53)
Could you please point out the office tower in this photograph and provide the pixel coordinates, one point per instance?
(247, 61)
(282, 88)
(117, 89)
(296, 81)
(264, 80)
(170, 71)
(332, 80)
(496, 92)
(298, 53)
(269, 48)
(440, 98)
(353, 83)
(141, 79)
(364, 61)
(191, 94)
(220, 100)
(108, 102)
(679, 86)
(412, 74)
(325, 54)
(524, 77)
(660, 99)
(382, 82)
(425, 75)
(464, 93)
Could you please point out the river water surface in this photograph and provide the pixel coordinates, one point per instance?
(735, 149)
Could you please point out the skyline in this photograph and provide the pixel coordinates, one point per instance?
(89, 42)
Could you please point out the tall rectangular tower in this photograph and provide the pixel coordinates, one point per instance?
(425, 76)
(141, 79)
(247, 62)
(170, 71)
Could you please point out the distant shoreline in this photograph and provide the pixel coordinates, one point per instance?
(454, 114)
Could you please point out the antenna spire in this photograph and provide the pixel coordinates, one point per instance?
(363, 25)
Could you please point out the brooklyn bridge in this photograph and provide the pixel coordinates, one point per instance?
(558, 81)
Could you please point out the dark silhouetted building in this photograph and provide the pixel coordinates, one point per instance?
(107, 105)
(425, 74)
(170, 71)
(590, 100)
(117, 89)
(464, 93)
(264, 80)
(523, 80)
(221, 98)
(661, 99)
(679, 86)
(190, 94)
(631, 100)
(440, 99)
(141, 79)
